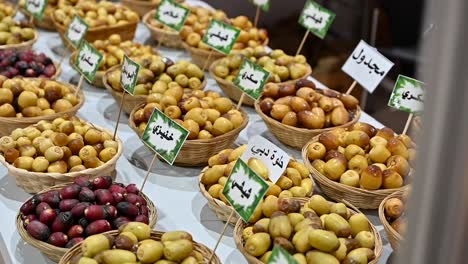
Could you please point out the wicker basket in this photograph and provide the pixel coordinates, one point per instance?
(393, 236)
(167, 38)
(33, 182)
(294, 136)
(361, 198)
(8, 124)
(46, 22)
(130, 101)
(200, 56)
(240, 225)
(55, 253)
(58, 71)
(196, 152)
(156, 235)
(126, 32)
(233, 92)
(23, 45)
(221, 209)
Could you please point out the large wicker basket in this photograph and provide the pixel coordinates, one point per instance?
(167, 38)
(221, 209)
(130, 101)
(8, 124)
(156, 235)
(294, 136)
(55, 253)
(361, 198)
(233, 92)
(240, 225)
(46, 22)
(393, 236)
(33, 182)
(23, 45)
(196, 152)
(126, 32)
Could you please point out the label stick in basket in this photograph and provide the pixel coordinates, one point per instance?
(366, 66)
(251, 79)
(261, 4)
(244, 190)
(165, 137)
(274, 158)
(128, 81)
(407, 96)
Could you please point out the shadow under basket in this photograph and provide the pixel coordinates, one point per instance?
(361, 198)
(156, 235)
(55, 253)
(240, 225)
(298, 137)
(34, 182)
(393, 236)
(196, 152)
(167, 38)
(8, 124)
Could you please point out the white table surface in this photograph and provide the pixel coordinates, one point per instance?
(174, 190)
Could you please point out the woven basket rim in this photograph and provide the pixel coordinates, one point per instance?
(240, 225)
(44, 246)
(391, 232)
(209, 141)
(113, 160)
(100, 28)
(199, 247)
(32, 120)
(23, 44)
(273, 122)
(146, 18)
(228, 83)
(113, 68)
(322, 179)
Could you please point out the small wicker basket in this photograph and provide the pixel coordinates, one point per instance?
(361, 198)
(126, 32)
(240, 225)
(167, 38)
(130, 101)
(233, 92)
(34, 182)
(393, 236)
(55, 253)
(8, 124)
(46, 22)
(196, 152)
(221, 209)
(23, 45)
(156, 235)
(298, 137)
(143, 7)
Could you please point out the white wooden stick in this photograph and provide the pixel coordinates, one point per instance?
(149, 171)
(350, 89)
(221, 236)
(408, 123)
(120, 113)
(257, 16)
(239, 104)
(80, 82)
(302, 42)
(207, 60)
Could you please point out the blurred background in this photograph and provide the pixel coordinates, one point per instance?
(399, 24)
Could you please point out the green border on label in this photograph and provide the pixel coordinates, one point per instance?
(245, 213)
(38, 15)
(76, 43)
(264, 7)
(322, 32)
(88, 75)
(129, 88)
(396, 96)
(279, 254)
(254, 94)
(176, 27)
(168, 156)
(223, 49)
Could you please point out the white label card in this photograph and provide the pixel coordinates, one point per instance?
(76, 31)
(274, 158)
(367, 66)
(407, 95)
